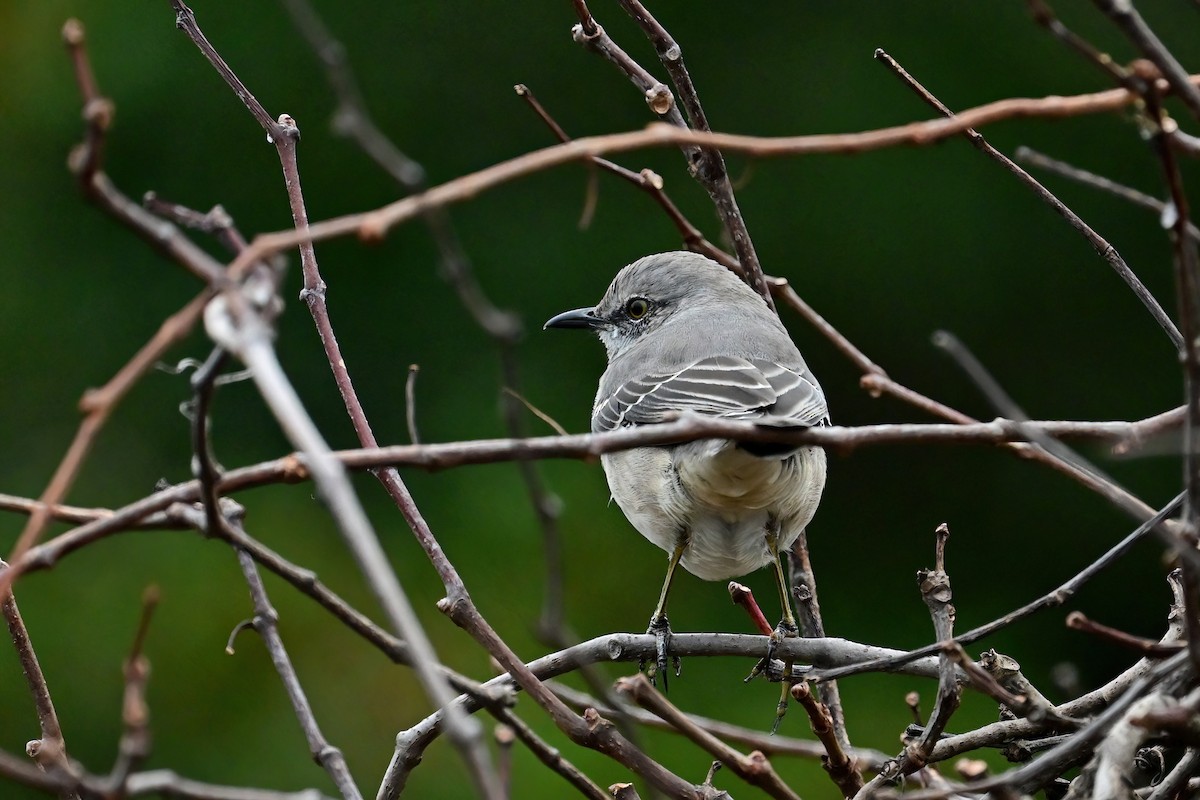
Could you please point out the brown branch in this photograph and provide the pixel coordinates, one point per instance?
(771, 744)
(98, 404)
(49, 751)
(840, 766)
(631, 648)
(294, 468)
(646, 180)
(754, 768)
(658, 97)
(247, 340)
(1000, 678)
(156, 783)
(1054, 598)
(937, 595)
(1187, 283)
(374, 224)
(351, 118)
(803, 582)
(1127, 18)
(1045, 16)
(78, 515)
(227, 521)
(709, 168)
(252, 348)
(134, 746)
(410, 403)
(877, 383)
(1078, 621)
(502, 326)
(550, 756)
(1072, 750)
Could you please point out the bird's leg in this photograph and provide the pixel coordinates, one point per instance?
(659, 626)
(786, 629)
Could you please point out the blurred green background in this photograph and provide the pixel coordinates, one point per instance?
(889, 246)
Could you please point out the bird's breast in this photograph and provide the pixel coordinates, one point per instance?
(718, 496)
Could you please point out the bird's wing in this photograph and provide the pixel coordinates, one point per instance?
(722, 386)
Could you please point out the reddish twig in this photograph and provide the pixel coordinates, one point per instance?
(741, 595)
(1078, 621)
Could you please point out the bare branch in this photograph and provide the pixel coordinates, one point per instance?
(1098, 243)
(372, 225)
(754, 768)
(49, 751)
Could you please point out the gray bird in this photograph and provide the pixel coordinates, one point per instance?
(685, 335)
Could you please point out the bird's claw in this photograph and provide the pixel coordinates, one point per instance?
(784, 630)
(661, 628)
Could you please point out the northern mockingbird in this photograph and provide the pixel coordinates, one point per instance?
(685, 335)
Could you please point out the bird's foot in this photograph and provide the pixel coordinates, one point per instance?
(781, 707)
(661, 628)
(784, 630)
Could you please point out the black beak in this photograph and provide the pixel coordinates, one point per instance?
(578, 318)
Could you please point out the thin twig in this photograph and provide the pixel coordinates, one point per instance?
(808, 616)
(550, 756)
(1053, 762)
(1033, 158)
(265, 618)
(1187, 284)
(1053, 598)
(1098, 243)
(247, 338)
(771, 744)
(134, 746)
(1131, 23)
(410, 403)
(265, 622)
(1079, 621)
(709, 169)
(49, 751)
(754, 768)
(937, 594)
(97, 404)
(649, 182)
(1045, 16)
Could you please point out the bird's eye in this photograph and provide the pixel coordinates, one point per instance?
(637, 308)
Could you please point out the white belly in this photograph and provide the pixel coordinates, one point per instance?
(720, 497)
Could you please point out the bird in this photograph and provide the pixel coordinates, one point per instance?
(685, 335)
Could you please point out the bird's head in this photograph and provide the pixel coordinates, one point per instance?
(652, 291)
